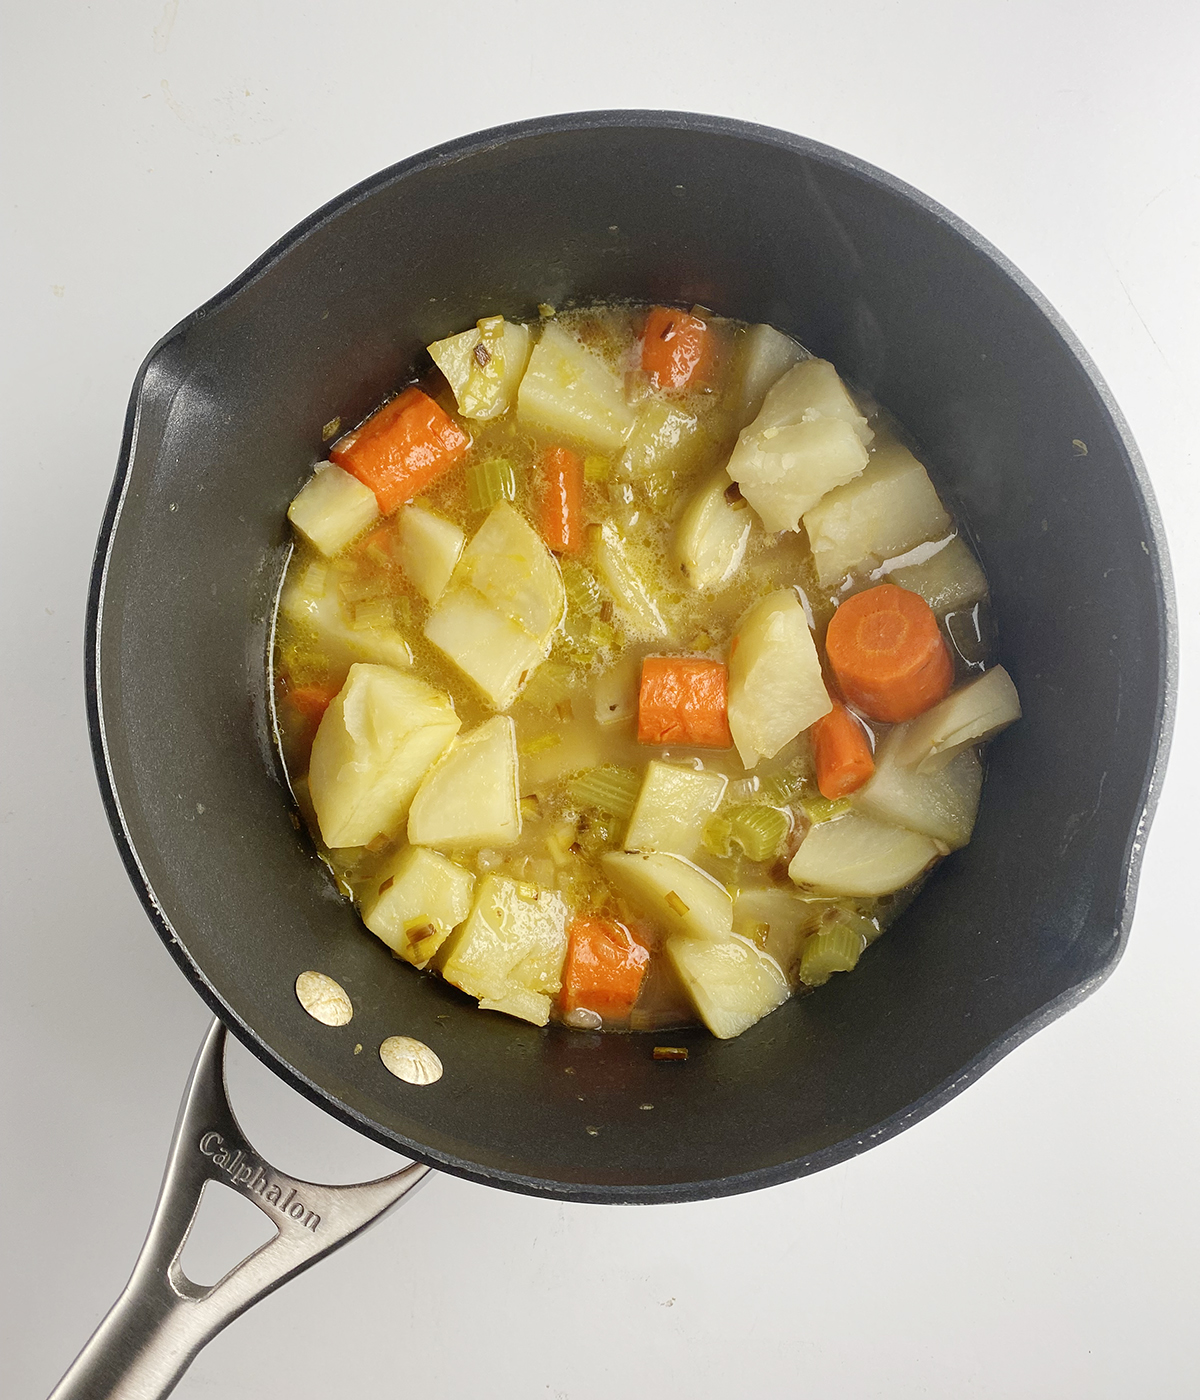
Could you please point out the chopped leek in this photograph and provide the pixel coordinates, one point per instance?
(611, 790)
(760, 831)
(490, 482)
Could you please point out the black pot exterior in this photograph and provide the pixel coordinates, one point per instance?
(1020, 435)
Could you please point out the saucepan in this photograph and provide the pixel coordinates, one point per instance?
(226, 420)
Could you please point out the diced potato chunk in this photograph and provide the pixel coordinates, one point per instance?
(493, 652)
(429, 548)
(712, 534)
(380, 735)
(418, 899)
(509, 565)
(313, 599)
(484, 365)
(892, 507)
(941, 804)
(971, 714)
(629, 592)
(854, 855)
(812, 390)
(332, 507)
(672, 807)
(469, 798)
(947, 580)
(676, 894)
(570, 390)
(777, 921)
(764, 355)
(775, 683)
(661, 440)
(784, 471)
(731, 983)
(510, 951)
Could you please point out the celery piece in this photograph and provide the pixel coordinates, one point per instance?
(759, 831)
(823, 809)
(835, 949)
(780, 788)
(611, 790)
(373, 612)
(583, 592)
(717, 839)
(490, 482)
(540, 744)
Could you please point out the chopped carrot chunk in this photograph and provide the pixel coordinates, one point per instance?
(562, 500)
(887, 654)
(604, 968)
(682, 700)
(400, 449)
(842, 753)
(677, 348)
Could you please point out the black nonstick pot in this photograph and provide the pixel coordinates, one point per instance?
(1020, 435)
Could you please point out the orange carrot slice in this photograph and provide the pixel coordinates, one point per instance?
(401, 448)
(887, 654)
(562, 501)
(604, 968)
(842, 752)
(682, 700)
(677, 348)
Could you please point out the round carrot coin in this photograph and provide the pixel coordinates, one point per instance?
(887, 653)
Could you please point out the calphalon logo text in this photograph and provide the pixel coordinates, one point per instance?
(248, 1172)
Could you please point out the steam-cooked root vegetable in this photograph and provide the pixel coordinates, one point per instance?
(428, 546)
(887, 654)
(677, 349)
(469, 797)
(969, 715)
(672, 807)
(842, 753)
(561, 504)
(676, 894)
(777, 921)
(628, 589)
(941, 805)
(493, 652)
(604, 968)
(418, 898)
(731, 983)
(854, 855)
(332, 507)
(775, 683)
(663, 440)
(812, 389)
(379, 737)
(616, 692)
(510, 951)
(762, 356)
(683, 700)
(567, 389)
(891, 508)
(401, 448)
(484, 366)
(947, 580)
(512, 569)
(367, 634)
(784, 471)
(712, 534)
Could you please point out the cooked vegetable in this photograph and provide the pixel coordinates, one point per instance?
(469, 798)
(940, 804)
(834, 949)
(712, 534)
(682, 700)
(812, 389)
(611, 790)
(676, 894)
(891, 508)
(732, 984)
(562, 500)
(628, 589)
(490, 482)
(842, 752)
(775, 683)
(428, 547)
(401, 448)
(947, 580)
(314, 600)
(762, 356)
(377, 740)
(971, 714)
(677, 349)
(778, 921)
(418, 898)
(569, 390)
(854, 855)
(663, 440)
(672, 807)
(616, 692)
(784, 471)
(332, 507)
(484, 365)
(759, 830)
(604, 968)
(887, 654)
(490, 650)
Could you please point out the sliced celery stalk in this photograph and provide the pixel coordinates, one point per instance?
(835, 949)
(760, 831)
(490, 482)
(611, 790)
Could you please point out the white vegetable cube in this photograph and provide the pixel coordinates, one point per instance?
(784, 471)
(662, 438)
(508, 564)
(971, 714)
(484, 365)
(380, 735)
(763, 356)
(419, 898)
(712, 534)
(677, 895)
(775, 683)
(570, 390)
(855, 855)
(939, 804)
(812, 390)
(511, 949)
(332, 507)
(637, 606)
(496, 654)
(469, 797)
(731, 983)
(947, 580)
(891, 508)
(429, 548)
(672, 807)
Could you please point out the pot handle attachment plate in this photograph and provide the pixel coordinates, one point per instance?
(160, 1322)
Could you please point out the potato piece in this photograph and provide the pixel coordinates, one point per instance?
(947, 580)
(429, 548)
(788, 919)
(418, 899)
(712, 534)
(854, 855)
(469, 797)
(731, 983)
(379, 737)
(313, 599)
(332, 507)
(784, 471)
(969, 715)
(629, 592)
(662, 440)
(812, 390)
(941, 804)
(484, 365)
(510, 951)
(891, 508)
(493, 652)
(673, 892)
(567, 389)
(775, 683)
(672, 807)
(763, 356)
(509, 565)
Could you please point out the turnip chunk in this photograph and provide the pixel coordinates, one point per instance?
(332, 507)
(812, 389)
(430, 546)
(569, 389)
(947, 580)
(775, 683)
(890, 509)
(484, 365)
(712, 534)
(672, 807)
(941, 805)
(787, 918)
(469, 797)
(854, 855)
(419, 898)
(673, 892)
(380, 735)
(764, 355)
(314, 599)
(731, 983)
(784, 471)
(971, 714)
(489, 649)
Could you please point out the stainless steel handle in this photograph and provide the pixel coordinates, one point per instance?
(160, 1322)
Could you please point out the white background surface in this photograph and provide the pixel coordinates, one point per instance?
(1038, 1236)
